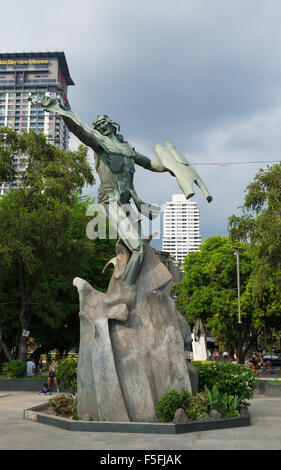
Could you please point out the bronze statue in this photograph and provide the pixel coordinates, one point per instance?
(114, 161)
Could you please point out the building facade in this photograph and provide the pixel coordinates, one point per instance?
(33, 74)
(181, 227)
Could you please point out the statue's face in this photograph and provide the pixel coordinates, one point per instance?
(104, 127)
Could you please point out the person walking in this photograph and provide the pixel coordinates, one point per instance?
(52, 375)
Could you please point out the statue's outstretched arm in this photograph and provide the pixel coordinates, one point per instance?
(88, 136)
(152, 165)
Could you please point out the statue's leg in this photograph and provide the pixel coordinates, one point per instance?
(128, 228)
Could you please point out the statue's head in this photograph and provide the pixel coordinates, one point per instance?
(105, 125)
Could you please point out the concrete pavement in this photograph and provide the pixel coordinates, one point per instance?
(19, 434)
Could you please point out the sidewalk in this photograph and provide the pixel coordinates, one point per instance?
(19, 434)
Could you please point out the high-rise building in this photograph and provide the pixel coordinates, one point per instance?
(181, 227)
(24, 74)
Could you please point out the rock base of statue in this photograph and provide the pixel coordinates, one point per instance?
(131, 343)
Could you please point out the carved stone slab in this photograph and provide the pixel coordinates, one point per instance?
(131, 346)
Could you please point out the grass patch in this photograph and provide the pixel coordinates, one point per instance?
(275, 382)
(36, 377)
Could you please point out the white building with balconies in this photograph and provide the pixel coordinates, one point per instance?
(181, 227)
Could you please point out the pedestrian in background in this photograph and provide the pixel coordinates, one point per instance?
(30, 368)
(52, 375)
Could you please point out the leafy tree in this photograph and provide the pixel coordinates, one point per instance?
(9, 317)
(9, 144)
(260, 224)
(36, 221)
(55, 323)
(209, 291)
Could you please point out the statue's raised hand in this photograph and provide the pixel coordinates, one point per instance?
(45, 101)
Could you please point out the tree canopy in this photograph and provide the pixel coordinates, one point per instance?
(43, 242)
(260, 224)
(209, 291)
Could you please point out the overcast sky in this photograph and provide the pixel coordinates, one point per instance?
(204, 74)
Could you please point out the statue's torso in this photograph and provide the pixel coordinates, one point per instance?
(116, 174)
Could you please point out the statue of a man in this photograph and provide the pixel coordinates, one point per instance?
(114, 161)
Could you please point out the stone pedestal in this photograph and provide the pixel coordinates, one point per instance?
(131, 344)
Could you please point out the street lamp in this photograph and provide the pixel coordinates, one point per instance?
(239, 324)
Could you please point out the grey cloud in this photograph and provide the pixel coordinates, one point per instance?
(203, 74)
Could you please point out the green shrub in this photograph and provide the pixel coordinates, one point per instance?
(66, 372)
(232, 379)
(231, 406)
(197, 407)
(64, 404)
(14, 368)
(169, 402)
(227, 405)
(213, 398)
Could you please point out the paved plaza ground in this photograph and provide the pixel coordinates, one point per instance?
(19, 434)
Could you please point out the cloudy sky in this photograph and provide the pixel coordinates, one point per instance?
(204, 74)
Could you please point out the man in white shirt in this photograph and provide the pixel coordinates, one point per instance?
(29, 368)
